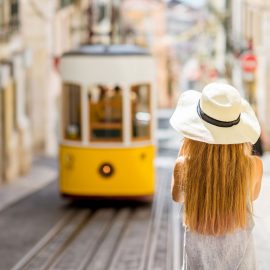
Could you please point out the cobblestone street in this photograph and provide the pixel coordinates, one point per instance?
(91, 235)
(46, 232)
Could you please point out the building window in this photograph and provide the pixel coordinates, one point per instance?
(140, 112)
(72, 112)
(9, 18)
(14, 15)
(105, 110)
(3, 19)
(65, 3)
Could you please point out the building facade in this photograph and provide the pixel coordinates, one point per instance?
(29, 81)
(15, 149)
(251, 32)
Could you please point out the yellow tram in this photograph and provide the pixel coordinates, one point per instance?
(107, 144)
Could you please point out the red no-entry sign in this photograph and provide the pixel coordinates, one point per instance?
(249, 62)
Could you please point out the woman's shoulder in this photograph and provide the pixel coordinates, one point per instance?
(257, 176)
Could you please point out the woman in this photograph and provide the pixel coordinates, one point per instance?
(216, 177)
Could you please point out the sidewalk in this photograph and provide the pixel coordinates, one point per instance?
(43, 171)
(262, 219)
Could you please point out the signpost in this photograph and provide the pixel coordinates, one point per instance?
(249, 66)
(249, 62)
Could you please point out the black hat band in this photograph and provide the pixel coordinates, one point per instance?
(216, 122)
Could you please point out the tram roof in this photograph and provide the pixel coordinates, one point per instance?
(108, 50)
(94, 64)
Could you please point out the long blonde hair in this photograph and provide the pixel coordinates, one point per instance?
(216, 185)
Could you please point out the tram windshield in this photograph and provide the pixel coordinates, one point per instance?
(140, 112)
(105, 109)
(72, 112)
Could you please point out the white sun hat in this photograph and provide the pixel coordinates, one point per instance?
(217, 115)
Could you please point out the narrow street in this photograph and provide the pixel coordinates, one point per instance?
(48, 233)
(87, 89)
(43, 231)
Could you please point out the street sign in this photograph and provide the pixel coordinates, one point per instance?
(248, 62)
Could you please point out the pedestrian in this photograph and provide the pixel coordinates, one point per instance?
(261, 144)
(216, 177)
(258, 148)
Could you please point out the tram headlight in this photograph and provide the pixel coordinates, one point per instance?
(106, 170)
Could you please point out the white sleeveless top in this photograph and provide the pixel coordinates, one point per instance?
(234, 251)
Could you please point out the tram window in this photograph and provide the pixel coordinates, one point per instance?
(72, 112)
(105, 109)
(140, 112)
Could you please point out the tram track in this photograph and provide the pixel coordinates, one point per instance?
(127, 238)
(84, 239)
(106, 250)
(155, 243)
(54, 242)
(86, 242)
